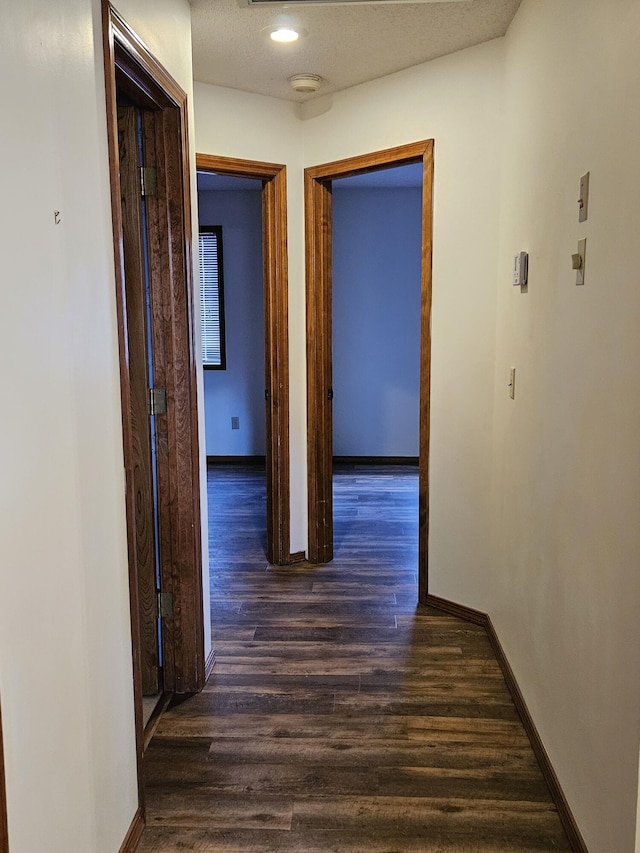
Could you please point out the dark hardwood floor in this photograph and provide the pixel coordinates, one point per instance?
(340, 716)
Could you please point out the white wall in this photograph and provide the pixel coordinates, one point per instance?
(458, 102)
(237, 391)
(544, 489)
(565, 587)
(545, 499)
(65, 650)
(377, 236)
(237, 124)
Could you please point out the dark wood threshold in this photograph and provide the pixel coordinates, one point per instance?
(209, 664)
(165, 701)
(477, 617)
(376, 460)
(154, 719)
(235, 460)
(133, 836)
(297, 557)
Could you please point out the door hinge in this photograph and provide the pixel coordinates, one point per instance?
(157, 401)
(148, 181)
(164, 605)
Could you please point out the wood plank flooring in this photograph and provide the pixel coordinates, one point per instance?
(339, 716)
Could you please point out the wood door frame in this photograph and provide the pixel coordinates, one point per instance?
(131, 68)
(4, 823)
(318, 255)
(276, 328)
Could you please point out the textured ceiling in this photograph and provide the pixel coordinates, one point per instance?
(345, 44)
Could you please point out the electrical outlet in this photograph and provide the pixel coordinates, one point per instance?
(235, 423)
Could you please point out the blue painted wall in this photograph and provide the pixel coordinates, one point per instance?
(376, 320)
(237, 391)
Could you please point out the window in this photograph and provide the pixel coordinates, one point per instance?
(212, 301)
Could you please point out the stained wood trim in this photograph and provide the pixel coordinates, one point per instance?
(274, 241)
(461, 611)
(566, 815)
(131, 67)
(274, 212)
(133, 836)
(377, 460)
(158, 224)
(477, 617)
(236, 460)
(154, 719)
(169, 218)
(318, 251)
(297, 557)
(143, 75)
(401, 155)
(425, 370)
(134, 237)
(178, 455)
(257, 169)
(4, 821)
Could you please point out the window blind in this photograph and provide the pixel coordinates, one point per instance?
(211, 306)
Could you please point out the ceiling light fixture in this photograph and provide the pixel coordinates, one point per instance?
(284, 35)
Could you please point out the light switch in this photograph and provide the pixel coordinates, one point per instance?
(578, 260)
(520, 269)
(583, 201)
(512, 383)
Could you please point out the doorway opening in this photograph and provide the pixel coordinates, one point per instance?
(319, 252)
(231, 280)
(272, 178)
(151, 215)
(376, 268)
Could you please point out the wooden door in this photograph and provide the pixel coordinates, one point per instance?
(131, 69)
(320, 368)
(139, 349)
(318, 234)
(4, 829)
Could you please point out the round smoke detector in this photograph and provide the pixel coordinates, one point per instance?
(305, 83)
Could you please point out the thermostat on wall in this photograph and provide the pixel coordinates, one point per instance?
(520, 269)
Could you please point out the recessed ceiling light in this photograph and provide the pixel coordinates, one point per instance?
(284, 35)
